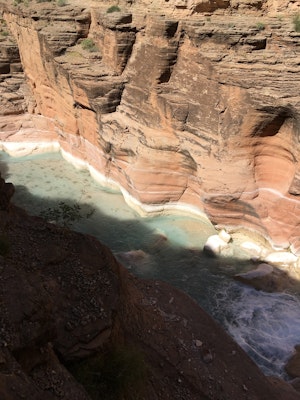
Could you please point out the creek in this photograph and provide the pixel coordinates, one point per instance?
(169, 248)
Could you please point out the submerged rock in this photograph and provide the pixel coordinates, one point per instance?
(261, 271)
(133, 257)
(265, 277)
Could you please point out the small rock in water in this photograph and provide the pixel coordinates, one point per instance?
(214, 245)
(293, 365)
(160, 240)
(133, 257)
(265, 277)
(262, 270)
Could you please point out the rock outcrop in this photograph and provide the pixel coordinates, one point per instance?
(64, 298)
(197, 108)
(266, 277)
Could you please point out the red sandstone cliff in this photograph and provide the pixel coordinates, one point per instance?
(196, 105)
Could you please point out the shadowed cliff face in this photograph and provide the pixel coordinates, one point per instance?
(197, 110)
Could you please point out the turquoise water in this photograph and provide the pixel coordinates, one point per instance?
(169, 248)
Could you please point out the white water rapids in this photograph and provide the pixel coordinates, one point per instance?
(169, 248)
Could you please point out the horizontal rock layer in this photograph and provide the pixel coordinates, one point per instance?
(199, 111)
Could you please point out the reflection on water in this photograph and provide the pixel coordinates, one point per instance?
(169, 248)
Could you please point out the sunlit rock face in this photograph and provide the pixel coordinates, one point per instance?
(193, 110)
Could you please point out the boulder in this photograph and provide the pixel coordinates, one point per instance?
(266, 278)
(288, 390)
(136, 258)
(281, 258)
(224, 236)
(293, 365)
(253, 249)
(214, 245)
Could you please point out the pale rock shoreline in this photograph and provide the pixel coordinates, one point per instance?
(251, 244)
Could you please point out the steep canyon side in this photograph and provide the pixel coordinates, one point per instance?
(65, 300)
(196, 106)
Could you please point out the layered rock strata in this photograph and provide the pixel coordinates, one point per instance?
(198, 112)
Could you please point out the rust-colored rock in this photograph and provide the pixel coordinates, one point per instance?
(185, 109)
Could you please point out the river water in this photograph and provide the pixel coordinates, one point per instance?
(168, 248)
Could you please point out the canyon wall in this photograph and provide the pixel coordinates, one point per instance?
(77, 325)
(196, 106)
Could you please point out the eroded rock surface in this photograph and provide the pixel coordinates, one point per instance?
(198, 107)
(183, 108)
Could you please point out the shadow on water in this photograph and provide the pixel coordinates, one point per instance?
(147, 253)
(3, 168)
(266, 325)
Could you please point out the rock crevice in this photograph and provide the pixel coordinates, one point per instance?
(207, 103)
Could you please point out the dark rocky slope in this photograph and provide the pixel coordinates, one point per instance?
(64, 298)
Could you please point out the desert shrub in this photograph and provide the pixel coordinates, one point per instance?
(4, 245)
(260, 26)
(66, 214)
(296, 22)
(89, 45)
(61, 3)
(4, 33)
(117, 374)
(113, 9)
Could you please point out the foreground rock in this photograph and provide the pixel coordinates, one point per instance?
(293, 365)
(266, 277)
(64, 297)
(216, 244)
